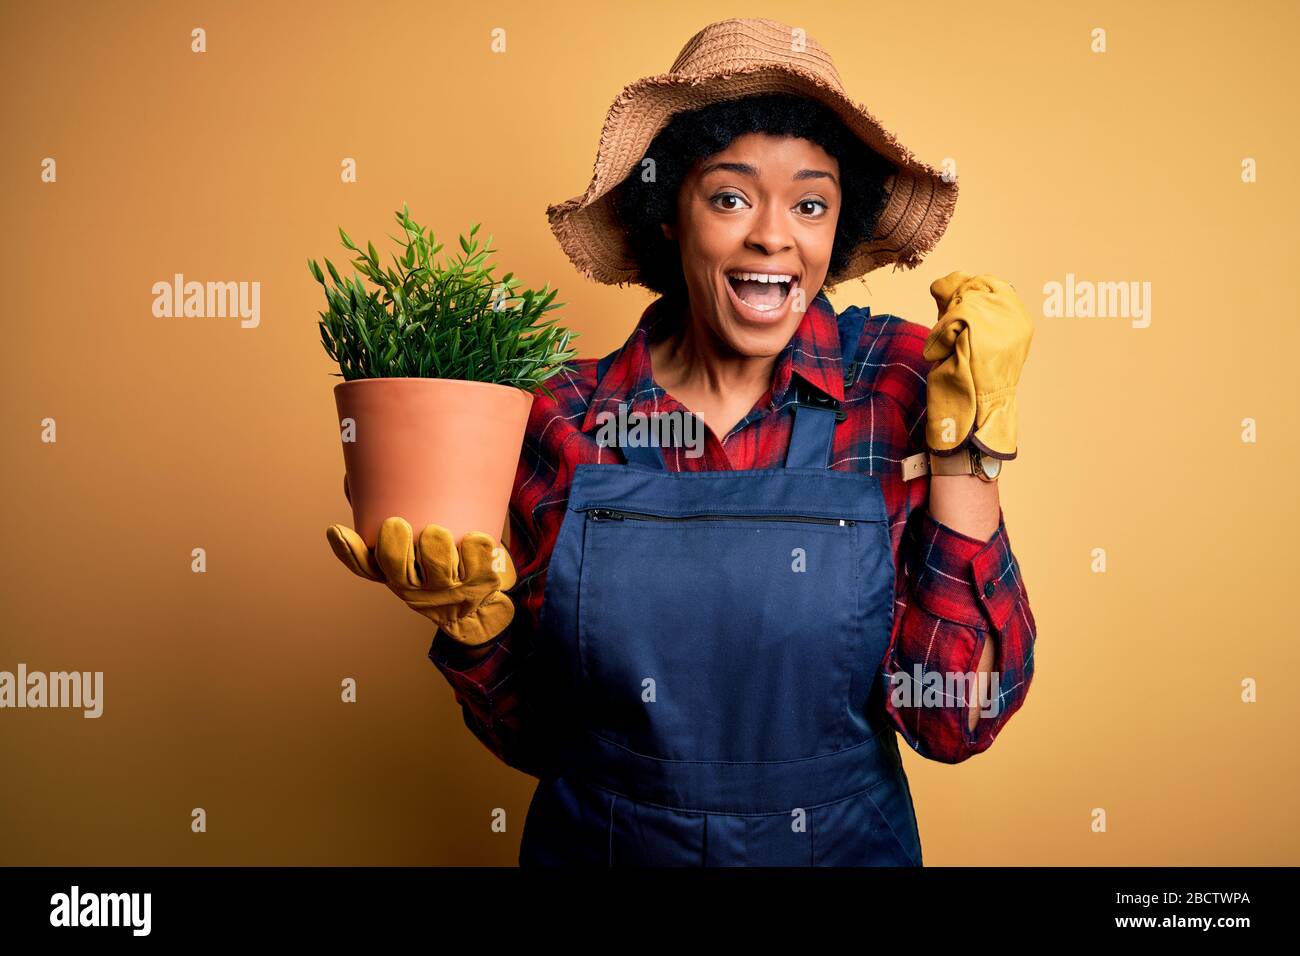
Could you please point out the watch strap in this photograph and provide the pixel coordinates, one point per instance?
(962, 463)
(926, 463)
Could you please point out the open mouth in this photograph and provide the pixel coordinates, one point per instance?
(761, 293)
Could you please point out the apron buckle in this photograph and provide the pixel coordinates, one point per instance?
(813, 399)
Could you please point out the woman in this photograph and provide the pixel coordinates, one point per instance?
(713, 653)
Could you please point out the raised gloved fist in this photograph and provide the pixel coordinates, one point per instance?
(978, 348)
(459, 589)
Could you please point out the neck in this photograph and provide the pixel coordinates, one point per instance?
(688, 358)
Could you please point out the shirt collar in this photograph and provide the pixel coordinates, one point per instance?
(813, 354)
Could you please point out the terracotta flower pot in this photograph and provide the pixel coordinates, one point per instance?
(432, 451)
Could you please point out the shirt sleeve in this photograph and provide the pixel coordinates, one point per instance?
(492, 691)
(954, 594)
(499, 693)
(496, 692)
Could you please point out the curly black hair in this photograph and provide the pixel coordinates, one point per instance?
(697, 134)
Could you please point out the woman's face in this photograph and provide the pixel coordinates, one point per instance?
(765, 204)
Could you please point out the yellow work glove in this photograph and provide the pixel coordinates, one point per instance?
(978, 346)
(459, 589)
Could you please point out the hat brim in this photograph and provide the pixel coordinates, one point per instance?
(920, 204)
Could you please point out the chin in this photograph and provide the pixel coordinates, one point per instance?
(764, 342)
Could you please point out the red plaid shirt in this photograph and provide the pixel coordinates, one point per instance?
(953, 592)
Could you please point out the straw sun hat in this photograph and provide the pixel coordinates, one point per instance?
(728, 60)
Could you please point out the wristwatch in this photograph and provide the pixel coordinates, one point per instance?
(972, 462)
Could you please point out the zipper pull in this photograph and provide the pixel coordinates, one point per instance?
(603, 514)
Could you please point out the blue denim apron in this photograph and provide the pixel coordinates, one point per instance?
(712, 644)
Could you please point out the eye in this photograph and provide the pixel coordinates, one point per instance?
(816, 202)
(721, 196)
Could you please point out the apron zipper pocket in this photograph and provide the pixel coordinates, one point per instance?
(608, 514)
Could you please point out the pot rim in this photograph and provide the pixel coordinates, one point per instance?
(428, 379)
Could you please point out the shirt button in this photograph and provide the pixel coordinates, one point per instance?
(989, 588)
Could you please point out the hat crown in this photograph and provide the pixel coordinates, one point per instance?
(743, 43)
(735, 59)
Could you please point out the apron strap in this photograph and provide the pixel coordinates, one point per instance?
(851, 322)
(648, 456)
(814, 431)
(815, 415)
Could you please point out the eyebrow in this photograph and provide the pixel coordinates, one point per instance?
(747, 170)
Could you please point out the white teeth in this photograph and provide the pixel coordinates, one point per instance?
(760, 277)
(765, 278)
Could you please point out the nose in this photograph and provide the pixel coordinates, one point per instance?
(770, 231)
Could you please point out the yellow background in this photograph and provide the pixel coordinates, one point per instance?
(222, 689)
